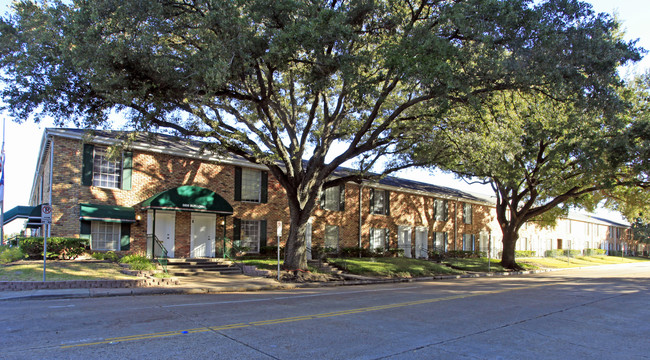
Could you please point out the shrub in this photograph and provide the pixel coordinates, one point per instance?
(465, 254)
(592, 252)
(394, 252)
(108, 255)
(561, 253)
(138, 262)
(524, 253)
(57, 247)
(10, 254)
(271, 251)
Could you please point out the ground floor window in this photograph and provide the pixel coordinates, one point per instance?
(250, 235)
(332, 236)
(378, 238)
(468, 242)
(105, 236)
(440, 241)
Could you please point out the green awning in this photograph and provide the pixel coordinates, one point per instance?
(189, 198)
(107, 213)
(18, 212)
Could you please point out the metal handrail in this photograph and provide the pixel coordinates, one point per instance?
(228, 255)
(162, 260)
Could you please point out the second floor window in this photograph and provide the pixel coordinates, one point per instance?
(251, 185)
(379, 202)
(333, 198)
(106, 172)
(440, 209)
(467, 213)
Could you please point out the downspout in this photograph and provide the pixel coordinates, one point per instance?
(456, 222)
(49, 228)
(361, 186)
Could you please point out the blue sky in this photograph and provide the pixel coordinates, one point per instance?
(22, 141)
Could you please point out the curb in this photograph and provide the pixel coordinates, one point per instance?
(114, 292)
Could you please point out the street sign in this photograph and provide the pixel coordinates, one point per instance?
(46, 214)
(279, 225)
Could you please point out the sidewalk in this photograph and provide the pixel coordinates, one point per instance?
(228, 283)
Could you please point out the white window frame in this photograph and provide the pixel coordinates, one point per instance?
(468, 240)
(251, 185)
(467, 213)
(377, 238)
(440, 206)
(439, 243)
(379, 206)
(250, 235)
(329, 229)
(106, 173)
(332, 198)
(101, 231)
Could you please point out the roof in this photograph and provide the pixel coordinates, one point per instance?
(174, 145)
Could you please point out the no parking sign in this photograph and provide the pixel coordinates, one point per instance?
(46, 214)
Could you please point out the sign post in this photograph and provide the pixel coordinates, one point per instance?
(279, 225)
(46, 220)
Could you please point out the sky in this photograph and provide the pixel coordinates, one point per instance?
(22, 141)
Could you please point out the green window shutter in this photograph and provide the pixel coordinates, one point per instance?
(237, 183)
(322, 198)
(387, 201)
(125, 237)
(127, 169)
(84, 231)
(387, 238)
(342, 197)
(262, 233)
(87, 165)
(446, 240)
(265, 187)
(445, 209)
(473, 242)
(372, 200)
(236, 229)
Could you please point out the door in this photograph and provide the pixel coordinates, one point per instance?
(421, 246)
(165, 227)
(404, 239)
(203, 234)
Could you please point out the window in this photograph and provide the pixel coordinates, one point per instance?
(467, 213)
(378, 238)
(468, 242)
(379, 202)
(250, 235)
(332, 236)
(333, 198)
(440, 208)
(106, 172)
(440, 241)
(251, 185)
(105, 236)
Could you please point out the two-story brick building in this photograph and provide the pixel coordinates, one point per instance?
(193, 198)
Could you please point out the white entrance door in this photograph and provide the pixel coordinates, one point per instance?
(404, 239)
(165, 227)
(203, 233)
(421, 235)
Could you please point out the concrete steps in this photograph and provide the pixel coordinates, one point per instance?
(201, 266)
(324, 267)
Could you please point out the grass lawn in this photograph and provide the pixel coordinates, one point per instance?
(481, 265)
(61, 270)
(391, 267)
(267, 264)
(562, 262)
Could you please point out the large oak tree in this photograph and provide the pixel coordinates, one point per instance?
(280, 82)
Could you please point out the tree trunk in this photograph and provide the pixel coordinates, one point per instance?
(510, 237)
(295, 250)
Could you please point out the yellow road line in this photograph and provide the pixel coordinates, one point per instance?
(294, 318)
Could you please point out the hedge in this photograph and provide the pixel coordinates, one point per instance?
(57, 247)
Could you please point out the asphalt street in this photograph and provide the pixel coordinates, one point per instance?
(592, 313)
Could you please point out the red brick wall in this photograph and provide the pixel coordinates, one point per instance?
(154, 172)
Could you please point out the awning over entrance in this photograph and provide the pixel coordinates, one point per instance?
(189, 198)
(107, 213)
(19, 212)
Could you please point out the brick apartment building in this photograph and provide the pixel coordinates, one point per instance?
(193, 198)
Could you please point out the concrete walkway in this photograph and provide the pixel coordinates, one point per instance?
(206, 284)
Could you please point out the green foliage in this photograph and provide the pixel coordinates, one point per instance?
(138, 262)
(391, 267)
(107, 255)
(314, 74)
(524, 253)
(562, 253)
(10, 254)
(464, 254)
(594, 252)
(57, 247)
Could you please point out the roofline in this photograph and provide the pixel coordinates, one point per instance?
(137, 145)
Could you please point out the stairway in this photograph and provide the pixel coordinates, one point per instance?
(201, 266)
(324, 267)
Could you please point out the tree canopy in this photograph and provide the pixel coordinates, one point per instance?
(282, 81)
